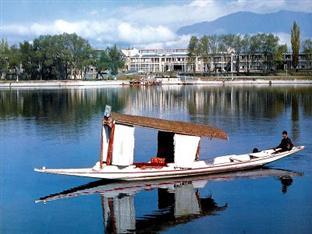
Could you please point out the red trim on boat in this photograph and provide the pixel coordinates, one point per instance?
(110, 147)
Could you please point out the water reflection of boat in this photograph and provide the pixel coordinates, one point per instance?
(176, 204)
(179, 201)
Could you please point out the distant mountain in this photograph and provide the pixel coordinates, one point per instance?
(248, 22)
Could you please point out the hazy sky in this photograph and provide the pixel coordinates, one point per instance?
(148, 23)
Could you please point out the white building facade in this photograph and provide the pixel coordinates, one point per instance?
(167, 60)
(156, 60)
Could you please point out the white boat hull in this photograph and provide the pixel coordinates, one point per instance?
(221, 164)
(111, 190)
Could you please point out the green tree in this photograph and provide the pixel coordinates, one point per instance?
(62, 56)
(269, 45)
(255, 48)
(14, 59)
(279, 56)
(101, 62)
(4, 58)
(192, 51)
(237, 44)
(50, 62)
(78, 53)
(255, 44)
(203, 48)
(48, 57)
(213, 49)
(110, 59)
(307, 47)
(213, 44)
(307, 50)
(28, 61)
(295, 43)
(116, 59)
(245, 48)
(226, 42)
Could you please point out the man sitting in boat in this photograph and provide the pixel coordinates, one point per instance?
(285, 144)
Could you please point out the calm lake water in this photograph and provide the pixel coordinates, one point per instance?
(61, 128)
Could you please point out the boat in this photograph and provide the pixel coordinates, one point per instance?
(177, 153)
(145, 81)
(116, 188)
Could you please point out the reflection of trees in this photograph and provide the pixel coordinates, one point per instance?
(210, 103)
(295, 116)
(245, 102)
(59, 105)
(248, 101)
(306, 100)
(160, 99)
(222, 106)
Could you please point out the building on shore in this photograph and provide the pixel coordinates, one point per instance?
(156, 60)
(177, 60)
(168, 60)
(304, 61)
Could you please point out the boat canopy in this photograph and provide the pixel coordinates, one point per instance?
(185, 150)
(123, 147)
(178, 142)
(179, 127)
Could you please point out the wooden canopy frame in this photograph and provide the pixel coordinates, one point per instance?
(179, 127)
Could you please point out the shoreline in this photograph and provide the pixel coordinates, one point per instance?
(165, 81)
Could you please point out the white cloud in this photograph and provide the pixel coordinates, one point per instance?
(129, 33)
(199, 3)
(284, 38)
(109, 31)
(178, 42)
(149, 25)
(177, 15)
(94, 12)
(14, 29)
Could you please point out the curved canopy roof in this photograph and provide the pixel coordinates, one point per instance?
(180, 127)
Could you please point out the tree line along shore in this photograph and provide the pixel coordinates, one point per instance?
(56, 57)
(265, 44)
(69, 56)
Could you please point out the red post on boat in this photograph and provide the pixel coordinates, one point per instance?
(110, 146)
